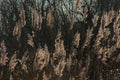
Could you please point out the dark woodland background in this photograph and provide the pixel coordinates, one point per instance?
(60, 40)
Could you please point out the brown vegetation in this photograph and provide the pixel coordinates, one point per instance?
(47, 45)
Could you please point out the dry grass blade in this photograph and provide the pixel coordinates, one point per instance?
(76, 39)
(41, 58)
(3, 48)
(36, 20)
(30, 40)
(23, 61)
(13, 62)
(22, 17)
(17, 31)
(50, 18)
(60, 67)
(78, 4)
(3, 59)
